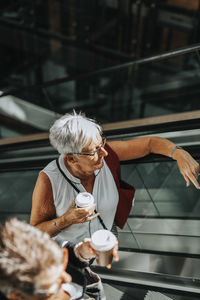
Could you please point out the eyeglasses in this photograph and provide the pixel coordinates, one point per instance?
(98, 148)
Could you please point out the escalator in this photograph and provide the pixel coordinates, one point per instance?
(160, 243)
(160, 85)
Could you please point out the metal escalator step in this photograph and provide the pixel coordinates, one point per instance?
(113, 293)
(156, 296)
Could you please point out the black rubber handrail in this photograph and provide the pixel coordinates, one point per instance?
(29, 162)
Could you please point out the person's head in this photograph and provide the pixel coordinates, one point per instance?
(31, 263)
(80, 140)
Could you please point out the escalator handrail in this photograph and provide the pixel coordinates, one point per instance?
(32, 161)
(127, 129)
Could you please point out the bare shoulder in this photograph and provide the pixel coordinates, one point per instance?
(42, 186)
(43, 178)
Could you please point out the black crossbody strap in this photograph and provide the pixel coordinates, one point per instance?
(78, 191)
(58, 165)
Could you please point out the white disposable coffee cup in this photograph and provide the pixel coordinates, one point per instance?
(103, 241)
(84, 200)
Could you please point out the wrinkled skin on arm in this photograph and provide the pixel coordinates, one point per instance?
(43, 213)
(141, 147)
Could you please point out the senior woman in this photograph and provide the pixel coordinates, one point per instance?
(88, 163)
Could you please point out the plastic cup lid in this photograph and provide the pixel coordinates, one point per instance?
(103, 240)
(84, 199)
(73, 289)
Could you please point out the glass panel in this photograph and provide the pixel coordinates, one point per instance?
(162, 185)
(143, 90)
(137, 91)
(166, 214)
(50, 40)
(16, 193)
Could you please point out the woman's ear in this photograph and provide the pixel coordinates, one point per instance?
(70, 158)
(66, 257)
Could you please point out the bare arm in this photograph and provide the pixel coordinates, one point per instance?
(43, 213)
(140, 147)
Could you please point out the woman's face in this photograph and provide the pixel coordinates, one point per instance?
(50, 291)
(59, 294)
(92, 156)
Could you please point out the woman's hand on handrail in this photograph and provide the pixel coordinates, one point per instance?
(188, 167)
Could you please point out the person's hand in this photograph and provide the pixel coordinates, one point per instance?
(76, 215)
(115, 255)
(84, 250)
(188, 167)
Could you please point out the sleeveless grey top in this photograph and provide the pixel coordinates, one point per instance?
(104, 192)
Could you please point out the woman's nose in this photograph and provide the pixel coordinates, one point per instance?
(103, 152)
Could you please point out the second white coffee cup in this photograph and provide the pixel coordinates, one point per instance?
(103, 241)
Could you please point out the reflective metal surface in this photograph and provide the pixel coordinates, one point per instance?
(27, 112)
(170, 272)
(183, 138)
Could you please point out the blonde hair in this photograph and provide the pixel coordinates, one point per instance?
(29, 258)
(73, 132)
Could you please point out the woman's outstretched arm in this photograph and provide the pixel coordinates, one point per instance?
(141, 147)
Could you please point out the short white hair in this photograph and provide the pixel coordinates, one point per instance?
(73, 132)
(29, 258)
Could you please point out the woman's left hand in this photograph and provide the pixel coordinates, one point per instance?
(188, 167)
(84, 250)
